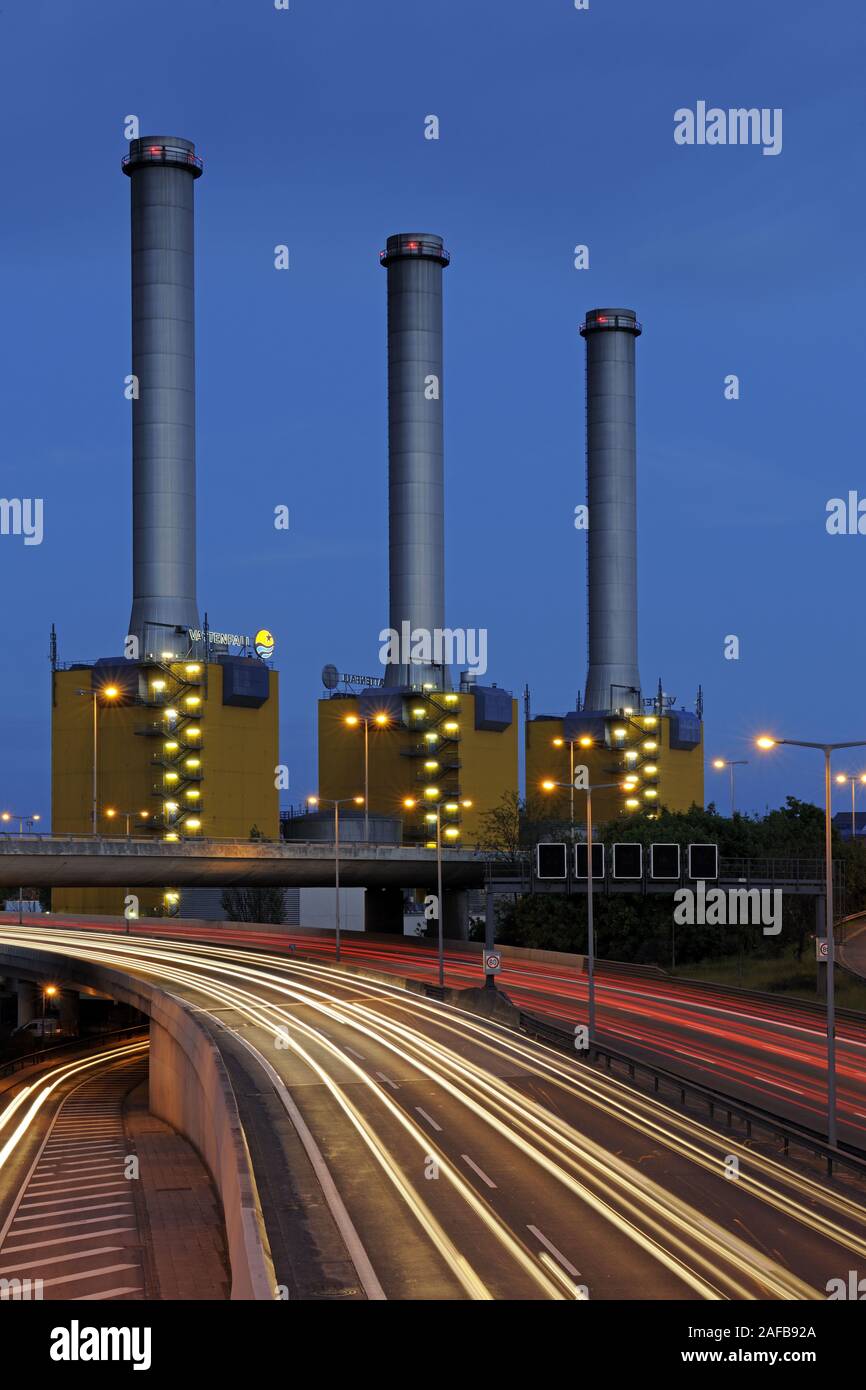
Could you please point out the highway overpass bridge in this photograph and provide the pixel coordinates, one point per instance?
(59, 861)
(67, 861)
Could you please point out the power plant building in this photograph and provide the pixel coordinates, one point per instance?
(178, 736)
(650, 752)
(439, 742)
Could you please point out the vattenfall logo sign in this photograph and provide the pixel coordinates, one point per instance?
(263, 642)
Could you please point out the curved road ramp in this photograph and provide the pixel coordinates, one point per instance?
(190, 1090)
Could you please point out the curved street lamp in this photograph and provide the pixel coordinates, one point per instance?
(721, 763)
(436, 802)
(380, 721)
(767, 742)
(341, 801)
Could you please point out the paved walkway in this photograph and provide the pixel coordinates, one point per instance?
(115, 1205)
(185, 1237)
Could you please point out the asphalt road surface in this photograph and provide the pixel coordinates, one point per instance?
(466, 1161)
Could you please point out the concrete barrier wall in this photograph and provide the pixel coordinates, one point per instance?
(191, 1090)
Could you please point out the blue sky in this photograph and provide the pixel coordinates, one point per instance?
(556, 129)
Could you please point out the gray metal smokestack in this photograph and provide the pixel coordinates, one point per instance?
(613, 679)
(415, 261)
(162, 170)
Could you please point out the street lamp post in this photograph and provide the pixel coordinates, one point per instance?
(590, 922)
(341, 801)
(381, 721)
(31, 820)
(48, 992)
(560, 743)
(436, 804)
(108, 692)
(145, 815)
(730, 764)
(585, 742)
(841, 779)
(110, 813)
(828, 749)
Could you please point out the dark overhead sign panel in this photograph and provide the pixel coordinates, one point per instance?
(664, 861)
(551, 860)
(627, 861)
(703, 861)
(597, 861)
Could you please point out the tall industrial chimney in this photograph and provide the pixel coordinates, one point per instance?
(162, 170)
(613, 679)
(415, 261)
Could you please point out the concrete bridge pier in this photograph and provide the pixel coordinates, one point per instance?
(383, 910)
(67, 1003)
(26, 992)
(455, 922)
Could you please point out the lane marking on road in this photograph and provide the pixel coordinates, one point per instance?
(61, 1259)
(770, 1082)
(106, 1293)
(359, 1055)
(429, 1119)
(58, 1201)
(101, 1206)
(87, 1274)
(480, 1171)
(64, 1240)
(65, 1225)
(95, 1148)
(83, 1170)
(387, 1080)
(78, 1188)
(566, 1264)
(578, 1294)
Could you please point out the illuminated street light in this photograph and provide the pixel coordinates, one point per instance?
(841, 779)
(48, 992)
(108, 693)
(451, 833)
(828, 749)
(111, 812)
(340, 801)
(583, 742)
(30, 822)
(721, 763)
(590, 923)
(381, 721)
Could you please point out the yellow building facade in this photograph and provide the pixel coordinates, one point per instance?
(660, 756)
(184, 750)
(424, 746)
